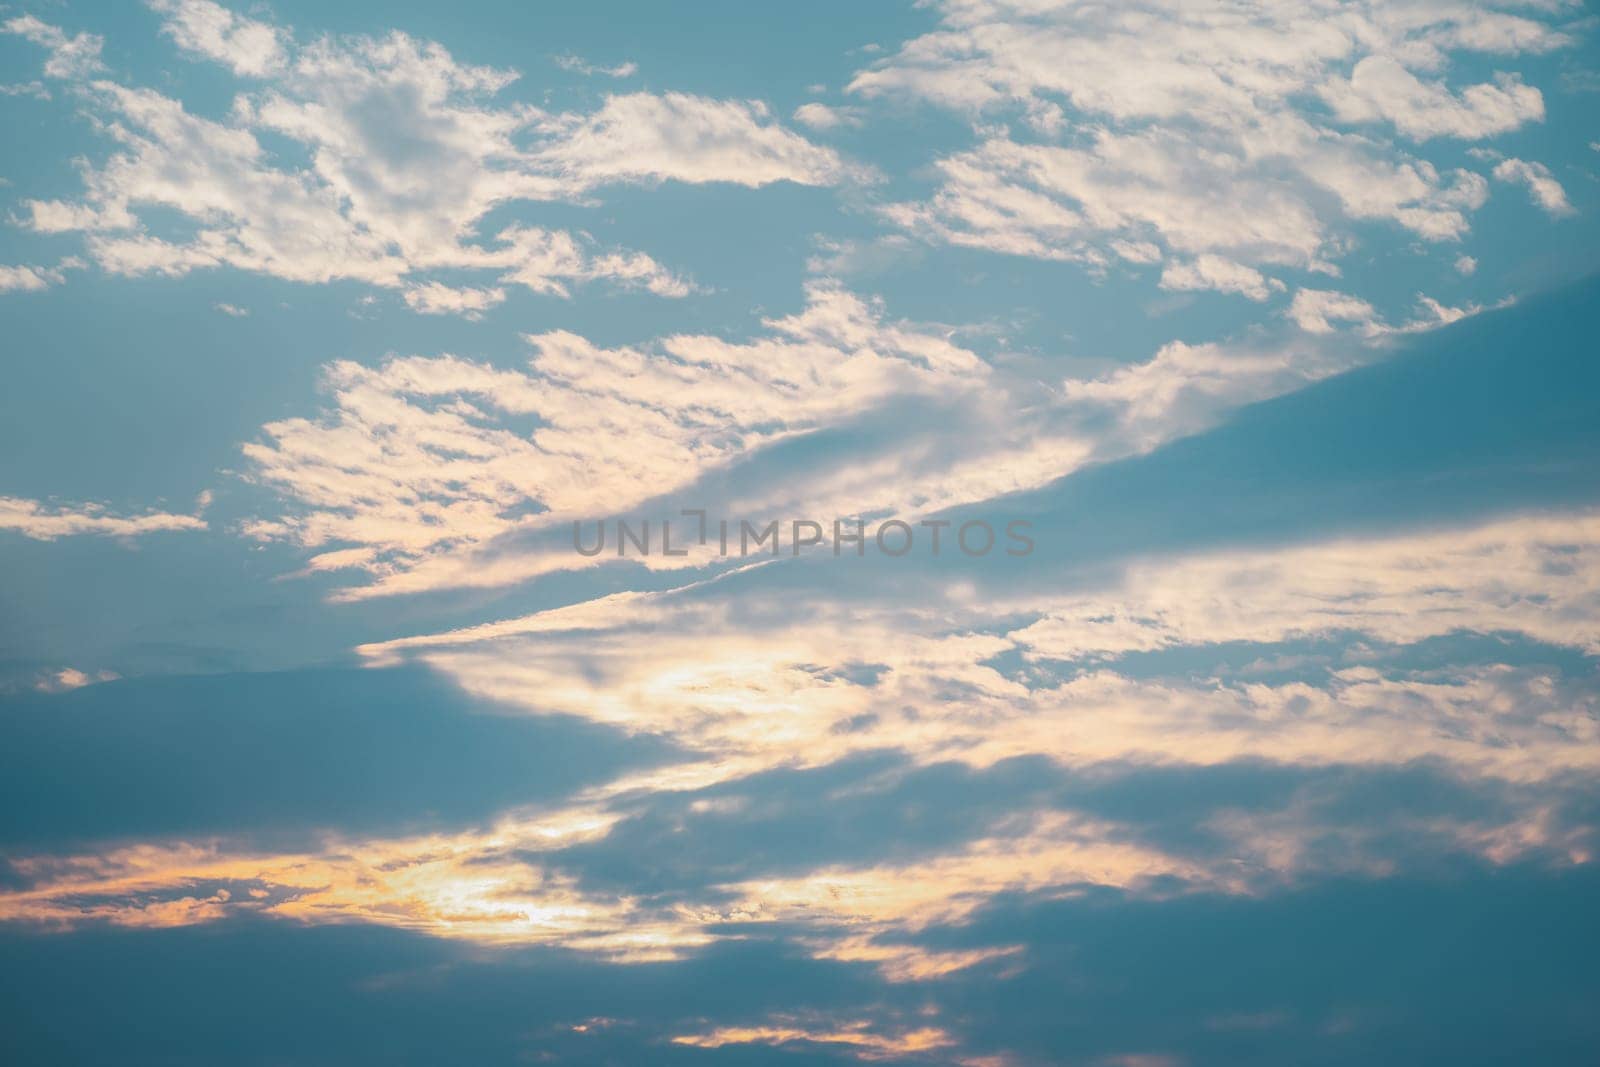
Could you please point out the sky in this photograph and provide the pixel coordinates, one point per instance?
(981, 532)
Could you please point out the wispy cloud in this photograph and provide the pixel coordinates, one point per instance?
(72, 55)
(578, 65)
(46, 522)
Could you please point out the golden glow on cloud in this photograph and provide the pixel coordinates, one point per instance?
(778, 686)
(897, 772)
(859, 1037)
(762, 690)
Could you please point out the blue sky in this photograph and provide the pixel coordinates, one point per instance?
(1271, 324)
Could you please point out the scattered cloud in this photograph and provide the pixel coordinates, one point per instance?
(370, 205)
(71, 55)
(744, 690)
(644, 137)
(1316, 310)
(1205, 131)
(436, 299)
(30, 279)
(1382, 89)
(1219, 274)
(858, 1037)
(34, 89)
(69, 678)
(818, 116)
(46, 522)
(251, 48)
(1275, 687)
(579, 66)
(419, 457)
(434, 472)
(1542, 186)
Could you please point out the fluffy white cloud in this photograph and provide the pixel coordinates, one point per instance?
(1382, 89)
(1161, 59)
(678, 137)
(549, 261)
(1542, 186)
(408, 151)
(1163, 186)
(436, 299)
(1316, 310)
(1205, 129)
(252, 48)
(1220, 274)
(822, 117)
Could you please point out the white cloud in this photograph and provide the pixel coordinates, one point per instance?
(1538, 576)
(46, 522)
(232, 310)
(419, 459)
(415, 471)
(822, 117)
(1542, 186)
(548, 261)
(1380, 88)
(1204, 128)
(1075, 203)
(763, 682)
(1220, 274)
(1161, 59)
(1316, 310)
(643, 137)
(1185, 388)
(29, 279)
(34, 89)
(1434, 314)
(409, 150)
(436, 299)
(772, 685)
(251, 48)
(71, 55)
(578, 65)
(421, 468)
